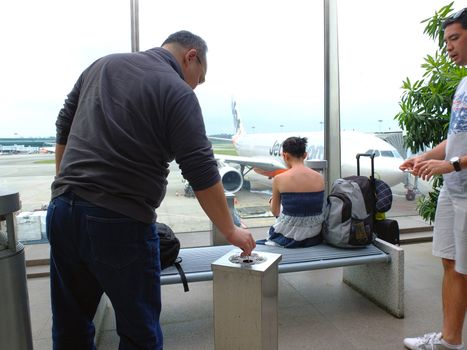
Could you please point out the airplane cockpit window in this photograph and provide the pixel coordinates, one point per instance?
(387, 154)
(375, 151)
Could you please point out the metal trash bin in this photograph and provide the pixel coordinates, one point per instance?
(15, 320)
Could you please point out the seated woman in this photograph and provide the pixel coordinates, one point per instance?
(299, 191)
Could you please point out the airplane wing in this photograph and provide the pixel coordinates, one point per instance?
(264, 163)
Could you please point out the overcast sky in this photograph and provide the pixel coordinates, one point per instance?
(268, 54)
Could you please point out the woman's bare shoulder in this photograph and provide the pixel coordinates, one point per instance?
(317, 179)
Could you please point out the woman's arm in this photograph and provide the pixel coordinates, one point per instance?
(275, 200)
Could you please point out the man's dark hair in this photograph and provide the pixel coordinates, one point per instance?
(189, 41)
(296, 146)
(458, 17)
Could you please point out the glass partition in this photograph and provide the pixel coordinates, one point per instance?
(379, 47)
(46, 45)
(267, 56)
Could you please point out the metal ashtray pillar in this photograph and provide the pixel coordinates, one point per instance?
(245, 301)
(15, 320)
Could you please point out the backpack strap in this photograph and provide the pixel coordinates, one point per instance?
(181, 273)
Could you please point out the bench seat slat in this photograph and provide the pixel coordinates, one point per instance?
(196, 261)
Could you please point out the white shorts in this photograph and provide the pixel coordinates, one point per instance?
(450, 229)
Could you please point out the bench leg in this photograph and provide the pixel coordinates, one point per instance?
(381, 283)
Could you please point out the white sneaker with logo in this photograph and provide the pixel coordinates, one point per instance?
(430, 341)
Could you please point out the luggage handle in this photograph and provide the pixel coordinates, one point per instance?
(372, 176)
(372, 157)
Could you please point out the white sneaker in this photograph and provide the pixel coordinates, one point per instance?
(430, 341)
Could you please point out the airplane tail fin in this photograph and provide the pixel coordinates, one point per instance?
(238, 125)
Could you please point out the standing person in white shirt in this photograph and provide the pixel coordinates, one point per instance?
(450, 232)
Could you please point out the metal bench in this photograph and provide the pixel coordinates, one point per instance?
(376, 271)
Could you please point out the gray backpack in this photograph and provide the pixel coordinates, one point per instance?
(349, 213)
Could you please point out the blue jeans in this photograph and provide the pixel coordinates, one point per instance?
(94, 250)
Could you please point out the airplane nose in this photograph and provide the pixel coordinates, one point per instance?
(389, 171)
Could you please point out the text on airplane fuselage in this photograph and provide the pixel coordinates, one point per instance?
(314, 151)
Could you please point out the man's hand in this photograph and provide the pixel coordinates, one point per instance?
(426, 169)
(411, 163)
(407, 165)
(429, 163)
(243, 239)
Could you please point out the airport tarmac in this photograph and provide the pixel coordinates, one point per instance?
(28, 175)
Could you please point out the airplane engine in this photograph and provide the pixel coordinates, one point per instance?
(231, 178)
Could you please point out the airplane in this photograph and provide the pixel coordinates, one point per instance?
(47, 149)
(263, 154)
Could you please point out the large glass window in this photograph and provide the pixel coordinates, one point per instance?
(45, 46)
(380, 45)
(268, 57)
